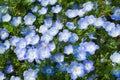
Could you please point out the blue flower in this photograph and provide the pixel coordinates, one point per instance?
(2, 48)
(90, 19)
(62, 66)
(68, 49)
(80, 12)
(2, 76)
(56, 9)
(20, 53)
(44, 53)
(52, 46)
(48, 22)
(6, 18)
(88, 6)
(81, 56)
(44, 2)
(99, 22)
(34, 40)
(48, 70)
(116, 73)
(34, 9)
(70, 25)
(7, 44)
(83, 23)
(58, 58)
(9, 69)
(74, 37)
(3, 9)
(53, 31)
(46, 37)
(16, 21)
(43, 29)
(76, 70)
(88, 65)
(14, 40)
(29, 19)
(71, 13)
(52, 2)
(115, 31)
(115, 57)
(64, 36)
(32, 54)
(21, 43)
(3, 34)
(43, 10)
(116, 14)
(15, 78)
(58, 24)
(30, 74)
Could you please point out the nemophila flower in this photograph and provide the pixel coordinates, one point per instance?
(44, 2)
(6, 18)
(44, 53)
(116, 14)
(68, 49)
(29, 19)
(115, 57)
(2, 76)
(52, 46)
(31, 33)
(88, 6)
(74, 37)
(14, 40)
(35, 39)
(76, 70)
(59, 25)
(48, 70)
(81, 56)
(114, 32)
(52, 2)
(53, 31)
(3, 9)
(31, 1)
(32, 54)
(30, 74)
(70, 25)
(109, 26)
(81, 12)
(26, 30)
(43, 10)
(62, 66)
(99, 22)
(56, 9)
(20, 52)
(76, 49)
(64, 36)
(3, 34)
(83, 23)
(16, 21)
(46, 37)
(2, 48)
(15, 78)
(88, 66)
(9, 69)
(71, 13)
(21, 43)
(116, 73)
(43, 29)
(107, 2)
(7, 44)
(58, 58)
(39, 0)
(48, 22)
(90, 19)
(34, 9)
(91, 47)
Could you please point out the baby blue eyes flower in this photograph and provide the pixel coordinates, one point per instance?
(16, 21)
(46, 37)
(116, 14)
(88, 6)
(7, 44)
(99, 22)
(15, 78)
(88, 65)
(21, 43)
(52, 2)
(74, 37)
(34, 40)
(64, 36)
(2, 48)
(52, 46)
(90, 19)
(83, 23)
(2, 76)
(58, 24)
(116, 73)
(56, 9)
(53, 31)
(62, 66)
(43, 10)
(43, 29)
(6, 18)
(48, 22)
(3, 34)
(71, 13)
(44, 2)
(48, 70)
(115, 57)
(14, 40)
(9, 69)
(30, 74)
(70, 25)
(34, 9)
(68, 49)
(29, 19)
(76, 70)
(58, 58)
(81, 56)
(114, 32)
(4, 9)
(80, 12)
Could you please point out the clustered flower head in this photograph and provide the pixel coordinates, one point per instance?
(54, 40)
